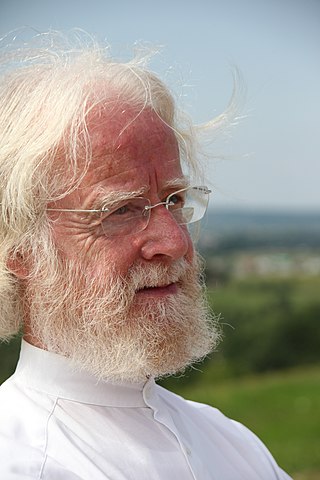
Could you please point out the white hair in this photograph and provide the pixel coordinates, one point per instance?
(47, 89)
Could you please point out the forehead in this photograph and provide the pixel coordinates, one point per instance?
(123, 128)
(125, 140)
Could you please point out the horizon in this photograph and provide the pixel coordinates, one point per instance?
(276, 210)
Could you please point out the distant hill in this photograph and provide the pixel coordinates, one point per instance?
(236, 229)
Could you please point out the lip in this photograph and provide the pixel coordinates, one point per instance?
(162, 291)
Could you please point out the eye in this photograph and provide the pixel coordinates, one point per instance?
(177, 199)
(121, 210)
(116, 217)
(125, 218)
(124, 211)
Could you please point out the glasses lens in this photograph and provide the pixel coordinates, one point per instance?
(126, 218)
(189, 205)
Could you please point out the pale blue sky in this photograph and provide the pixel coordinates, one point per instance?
(273, 156)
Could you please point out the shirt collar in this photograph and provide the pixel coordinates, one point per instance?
(55, 375)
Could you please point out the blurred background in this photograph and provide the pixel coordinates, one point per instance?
(261, 238)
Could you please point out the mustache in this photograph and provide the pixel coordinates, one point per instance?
(156, 275)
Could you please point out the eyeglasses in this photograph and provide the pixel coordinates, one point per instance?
(186, 206)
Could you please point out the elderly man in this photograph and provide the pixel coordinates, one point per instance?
(97, 191)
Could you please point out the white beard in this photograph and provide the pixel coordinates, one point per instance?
(104, 329)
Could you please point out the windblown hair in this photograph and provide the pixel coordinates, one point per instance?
(47, 90)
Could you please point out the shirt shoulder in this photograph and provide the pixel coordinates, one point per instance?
(222, 435)
(24, 416)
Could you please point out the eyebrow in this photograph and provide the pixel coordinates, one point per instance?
(109, 199)
(179, 182)
(114, 197)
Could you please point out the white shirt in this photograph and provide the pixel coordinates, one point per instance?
(58, 424)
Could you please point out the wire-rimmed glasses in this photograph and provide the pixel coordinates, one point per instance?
(186, 206)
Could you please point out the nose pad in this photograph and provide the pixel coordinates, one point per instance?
(150, 207)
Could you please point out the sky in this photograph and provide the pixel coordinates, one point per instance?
(271, 158)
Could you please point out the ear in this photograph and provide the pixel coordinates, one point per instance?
(17, 265)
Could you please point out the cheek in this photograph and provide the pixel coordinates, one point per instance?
(72, 243)
(111, 257)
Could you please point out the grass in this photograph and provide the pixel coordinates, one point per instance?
(281, 408)
(253, 293)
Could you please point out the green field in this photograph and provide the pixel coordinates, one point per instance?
(282, 408)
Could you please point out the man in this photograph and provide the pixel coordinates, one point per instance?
(97, 191)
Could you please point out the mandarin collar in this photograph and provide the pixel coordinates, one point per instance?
(55, 375)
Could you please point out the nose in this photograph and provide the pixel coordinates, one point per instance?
(164, 238)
